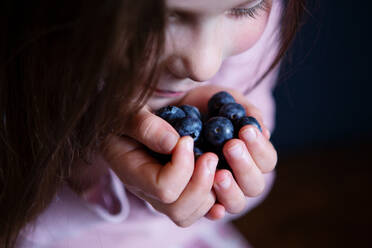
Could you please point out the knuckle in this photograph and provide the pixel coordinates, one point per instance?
(247, 169)
(257, 190)
(238, 207)
(204, 186)
(211, 200)
(146, 125)
(178, 217)
(271, 164)
(242, 205)
(182, 224)
(275, 160)
(167, 196)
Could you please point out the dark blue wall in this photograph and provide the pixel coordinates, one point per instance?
(324, 95)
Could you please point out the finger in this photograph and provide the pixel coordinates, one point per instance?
(252, 110)
(138, 170)
(266, 133)
(217, 212)
(197, 189)
(152, 131)
(260, 148)
(175, 175)
(247, 174)
(228, 192)
(208, 202)
(132, 164)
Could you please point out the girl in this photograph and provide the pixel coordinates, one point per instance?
(79, 82)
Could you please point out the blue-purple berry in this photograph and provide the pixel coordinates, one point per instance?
(171, 114)
(189, 126)
(218, 130)
(247, 120)
(217, 100)
(191, 111)
(197, 152)
(232, 111)
(224, 120)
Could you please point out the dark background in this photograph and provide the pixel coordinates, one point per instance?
(322, 193)
(324, 96)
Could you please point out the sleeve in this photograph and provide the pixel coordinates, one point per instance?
(69, 216)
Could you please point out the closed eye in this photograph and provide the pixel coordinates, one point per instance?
(250, 12)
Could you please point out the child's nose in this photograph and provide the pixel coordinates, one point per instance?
(199, 55)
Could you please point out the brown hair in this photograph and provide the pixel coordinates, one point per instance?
(54, 106)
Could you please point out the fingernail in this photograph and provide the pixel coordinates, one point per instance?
(189, 144)
(169, 141)
(250, 134)
(225, 183)
(211, 165)
(235, 151)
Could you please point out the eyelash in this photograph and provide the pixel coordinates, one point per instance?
(249, 12)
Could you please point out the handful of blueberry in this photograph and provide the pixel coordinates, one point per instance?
(223, 121)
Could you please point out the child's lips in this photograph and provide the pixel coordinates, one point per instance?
(168, 93)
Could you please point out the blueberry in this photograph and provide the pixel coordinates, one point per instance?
(191, 111)
(247, 120)
(218, 130)
(217, 100)
(189, 126)
(200, 142)
(222, 163)
(197, 152)
(171, 114)
(233, 111)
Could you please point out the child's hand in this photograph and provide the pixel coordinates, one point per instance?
(249, 157)
(181, 189)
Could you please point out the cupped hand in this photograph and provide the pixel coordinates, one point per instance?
(152, 131)
(178, 189)
(182, 188)
(249, 157)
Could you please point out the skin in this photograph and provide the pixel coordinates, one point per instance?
(200, 36)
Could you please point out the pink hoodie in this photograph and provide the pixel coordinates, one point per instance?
(71, 221)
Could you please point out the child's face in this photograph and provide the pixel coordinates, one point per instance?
(200, 35)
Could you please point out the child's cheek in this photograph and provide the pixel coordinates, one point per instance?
(247, 35)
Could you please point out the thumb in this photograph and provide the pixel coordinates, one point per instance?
(152, 131)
